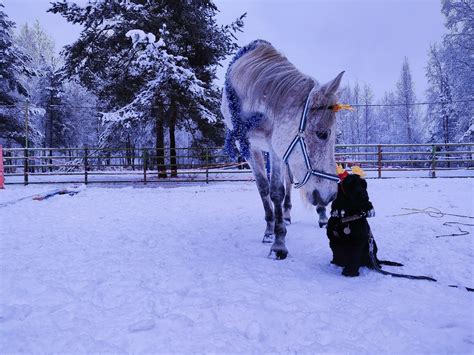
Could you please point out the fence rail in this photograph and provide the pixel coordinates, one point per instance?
(146, 165)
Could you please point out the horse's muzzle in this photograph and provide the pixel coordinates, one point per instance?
(318, 200)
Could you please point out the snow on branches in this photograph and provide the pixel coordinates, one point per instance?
(149, 62)
(152, 59)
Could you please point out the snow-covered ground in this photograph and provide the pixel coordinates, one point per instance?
(148, 270)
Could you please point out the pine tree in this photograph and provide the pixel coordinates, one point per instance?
(80, 111)
(442, 110)
(355, 127)
(37, 44)
(407, 112)
(152, 65)
(343, 134)
(457, 60)
(356, 115)
(451, 78)
(385, 122)
(54, 119)
(367, 114)
(14, 69)
(49, 91)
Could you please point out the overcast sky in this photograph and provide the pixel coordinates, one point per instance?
(366, 38)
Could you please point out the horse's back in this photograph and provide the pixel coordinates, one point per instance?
(252, 62)
(265, 80)
(260, 85)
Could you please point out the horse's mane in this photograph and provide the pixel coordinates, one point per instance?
(264, 75)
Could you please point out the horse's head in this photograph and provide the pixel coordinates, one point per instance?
(320, 138)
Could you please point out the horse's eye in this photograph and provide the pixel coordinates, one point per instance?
(323, 135)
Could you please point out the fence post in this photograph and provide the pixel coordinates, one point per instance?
(433, 161)
(2, 178)
(145, 164)
(207, 165)
(50, 161)
(25, 166)
(86, 165)
(27, 110)
(379, 160)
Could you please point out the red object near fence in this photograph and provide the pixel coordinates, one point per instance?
(2, 178)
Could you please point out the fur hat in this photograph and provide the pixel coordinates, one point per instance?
(342, 173)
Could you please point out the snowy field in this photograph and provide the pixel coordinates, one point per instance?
(148, 270)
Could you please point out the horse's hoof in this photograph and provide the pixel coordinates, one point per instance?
(280, 250)
(267, 238)
(281, 254)
(287, 221)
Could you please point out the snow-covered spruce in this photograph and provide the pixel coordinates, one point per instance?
(15, 71)
(153, 66)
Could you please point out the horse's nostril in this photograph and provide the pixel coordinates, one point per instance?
(316, 198)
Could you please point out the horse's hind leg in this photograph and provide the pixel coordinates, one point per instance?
(257, 163)
(277, 194)
(287, 200)
(323, 219)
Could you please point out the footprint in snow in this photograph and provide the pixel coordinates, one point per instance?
(15, 312)
(142, 326)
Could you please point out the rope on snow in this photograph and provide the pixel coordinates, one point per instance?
(436, 213)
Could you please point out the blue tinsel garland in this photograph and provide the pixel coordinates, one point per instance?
(240, 124)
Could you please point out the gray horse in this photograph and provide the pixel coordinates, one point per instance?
(268, 105)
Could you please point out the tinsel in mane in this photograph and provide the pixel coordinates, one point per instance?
(241, 126)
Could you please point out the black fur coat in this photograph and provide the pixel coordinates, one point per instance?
(349, 241)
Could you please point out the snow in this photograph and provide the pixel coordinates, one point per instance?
(139, 36)
(147, 270)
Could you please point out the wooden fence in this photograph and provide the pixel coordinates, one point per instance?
(146, 165)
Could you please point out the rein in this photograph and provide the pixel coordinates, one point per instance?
(299, 140)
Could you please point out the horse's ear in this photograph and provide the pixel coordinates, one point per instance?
(332, 86)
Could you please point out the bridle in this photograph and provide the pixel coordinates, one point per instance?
(299, 139)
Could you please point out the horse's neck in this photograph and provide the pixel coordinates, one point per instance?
(287, 121)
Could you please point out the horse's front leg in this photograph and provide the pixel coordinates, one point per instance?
(277, 194)
(323, 219)
(287, 201)
(258, 168)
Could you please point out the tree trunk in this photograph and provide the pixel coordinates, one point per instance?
(160, 149)
(50, 127)
(129, 152)
(409, 133)
(173, 160)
